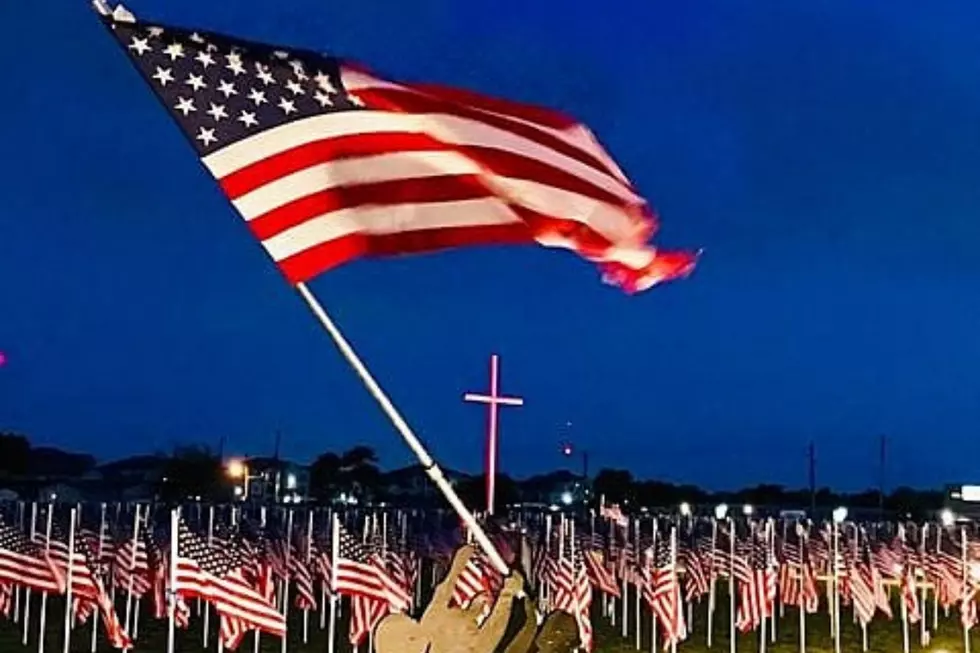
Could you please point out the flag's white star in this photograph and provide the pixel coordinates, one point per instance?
(298, 69)
(323, 81)
(163, 75)
(175, 51)
(247, 118)
(295, 87)
(287, 106)
(140, 46)
(266, 77)
(227, 88)
(356, 101)
(185, 106)
(155, 32)
(235, 64)
(258, 97)
(204, 58)
(206, 136)
(323, 99)
(217, 111)
(196, 82)
(197, 38)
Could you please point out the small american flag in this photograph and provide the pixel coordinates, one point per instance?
(328, 163)
(25, 563)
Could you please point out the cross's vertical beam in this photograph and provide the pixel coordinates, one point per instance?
(493, 400)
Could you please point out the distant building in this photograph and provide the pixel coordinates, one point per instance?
(412, 484)
(272, 480)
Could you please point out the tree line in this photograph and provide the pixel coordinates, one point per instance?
(199, 471)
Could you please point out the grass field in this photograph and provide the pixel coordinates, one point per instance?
(884, 636)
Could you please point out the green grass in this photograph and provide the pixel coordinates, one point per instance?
(884, 636)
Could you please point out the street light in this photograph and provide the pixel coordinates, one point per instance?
(685, 509)
(237, 469)
(947, 518)
(290, 481)
(840, 514)
(721, 511)
(567, 498)
(747, 510)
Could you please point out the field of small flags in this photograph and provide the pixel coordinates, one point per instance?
(285, 579)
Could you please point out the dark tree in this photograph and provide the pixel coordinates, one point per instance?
(192, 472)
(14, 454)
(616, 485)
(353, 472)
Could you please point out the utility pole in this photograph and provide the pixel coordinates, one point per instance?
(812, 456)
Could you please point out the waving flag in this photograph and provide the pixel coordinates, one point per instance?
(328, 163)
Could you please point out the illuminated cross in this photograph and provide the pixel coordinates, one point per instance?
(493, 400)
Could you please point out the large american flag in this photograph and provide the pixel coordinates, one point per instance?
(327, 162)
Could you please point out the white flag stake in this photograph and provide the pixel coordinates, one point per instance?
(966, 628)
(651, 567)
(428, 464)
(804, 543)
(334, 553)
(835, 616)
(766, 606)
(732, 635)
(636, 604)
(935, 589)
(68, 581)
(44, 595)
(284, 606)
(262, 520)
(624, 604)
(309, 547)
(675, 583)
(27, 592)
(924, 593)
(132, 566)
(772, 561)
(207, 604)
(21, 514)
(172, 578)
(98, 564)
(712, 580)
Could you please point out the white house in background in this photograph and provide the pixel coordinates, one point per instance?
(60, 492)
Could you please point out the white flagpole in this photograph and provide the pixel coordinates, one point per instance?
(803, 543)
(935, 588)
(27, 592)
(309, 547)
(207, 604)
(772, 561)
(334, 553)
(132, 566)
(98, 565)
(262, 521)
(712, 579)
(636, 604)
(428, 464)
(21, 515)
(44, 595)
(172, 589)
(68, 592)
(732, 635)
(625, 590)
(924, 593)
(652, 566)
(835, 615)
(766, 606)
(285, 583)
(966, 629)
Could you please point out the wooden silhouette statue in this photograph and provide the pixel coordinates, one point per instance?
(510, 627)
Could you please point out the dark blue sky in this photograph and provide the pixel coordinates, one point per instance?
(825, 155)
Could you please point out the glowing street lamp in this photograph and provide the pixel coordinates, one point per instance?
(237, 469)
(840, 514)
(567, 498)
(747, 510)
(947, 518)
(685, 509)
(721, 511)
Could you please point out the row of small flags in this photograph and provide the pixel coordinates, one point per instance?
(244, 571)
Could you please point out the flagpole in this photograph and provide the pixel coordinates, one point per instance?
(334, 556)
(172, 590)
(95, 620)
(27, 592)
(132, 568)
(428, 464)
(207, 604)
(44, 595)
(68, 588)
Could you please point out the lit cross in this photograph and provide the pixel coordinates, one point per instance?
(493, 400)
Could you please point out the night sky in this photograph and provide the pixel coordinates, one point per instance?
(825, 155)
